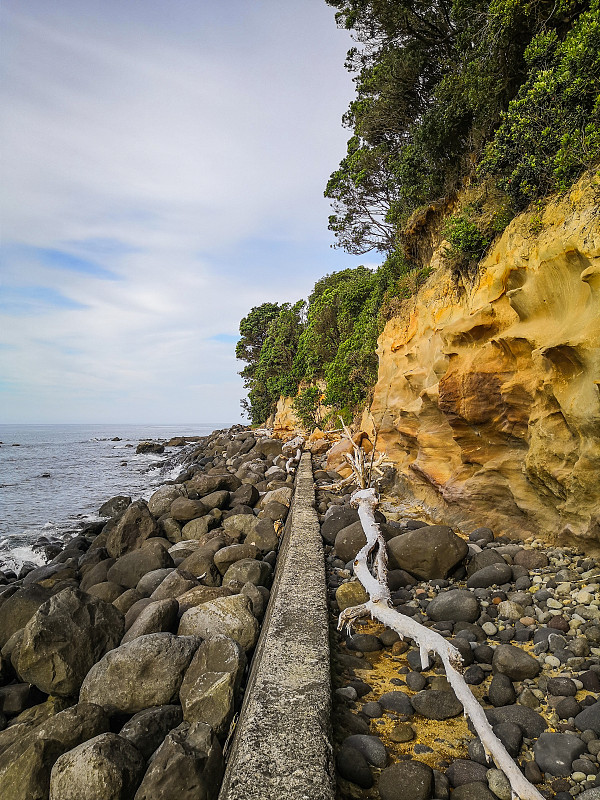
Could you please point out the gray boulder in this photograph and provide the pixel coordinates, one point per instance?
(25, 764)
(187, 766)
(226, 616)
(211, 683)
(514, 662)
(201, 594)
(555, 752)
(19, 608)
(147, 729)
(162, 499)
(249, 570)
(263, 536)
(492, 575)
(458, 605)
(135, 526)
(429, 552)
(127, 570)
(106, 767)
(114, 506)
(176, 583)
(49, 655)
(145, 672)
(156, 617)
(184, 509)
(150, 582)
(227, 556)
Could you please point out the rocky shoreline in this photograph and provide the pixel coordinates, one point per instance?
(123, 659)
(526, 620)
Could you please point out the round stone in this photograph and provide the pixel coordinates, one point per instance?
(406, 780)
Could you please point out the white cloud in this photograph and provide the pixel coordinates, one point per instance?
(176, 134)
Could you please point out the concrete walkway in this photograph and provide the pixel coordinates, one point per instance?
(282, 748)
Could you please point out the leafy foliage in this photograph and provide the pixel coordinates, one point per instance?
(306, 405)
(438, 82)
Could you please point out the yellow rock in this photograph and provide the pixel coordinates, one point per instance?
(350, 594)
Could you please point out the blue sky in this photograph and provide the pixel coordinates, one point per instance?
(164, 172)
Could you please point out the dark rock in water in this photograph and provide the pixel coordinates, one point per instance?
(555, 752)
(132, 529)
(436, 704)
(106, 766)
(406, 780)
(145, 672)
(514, 662)
(147, 729)
(457, 605)
(150, 447)
(430, 552)
(501, 691)
(49, 656)
(494, 575)
(114, 506)
(25, 765)
(188, 765)
(353, 766)
(463, 771)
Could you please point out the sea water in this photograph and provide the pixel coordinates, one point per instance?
(54, 477)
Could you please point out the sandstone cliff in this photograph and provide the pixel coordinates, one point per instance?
(488, 394)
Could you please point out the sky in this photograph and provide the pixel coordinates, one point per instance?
(163, 171)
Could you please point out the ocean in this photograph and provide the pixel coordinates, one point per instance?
(54, 477)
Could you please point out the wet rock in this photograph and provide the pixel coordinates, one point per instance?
(364, 642)
(114, 506)
(48, 656)
(187, 766)
(430, 552)
(106, 767)
(145, 672)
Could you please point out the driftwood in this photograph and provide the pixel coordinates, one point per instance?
(379, 606)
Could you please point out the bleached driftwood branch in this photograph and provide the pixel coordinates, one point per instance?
(362, 472)
(380, 607)
(294, 444)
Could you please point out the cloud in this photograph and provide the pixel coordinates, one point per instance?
(166, 170)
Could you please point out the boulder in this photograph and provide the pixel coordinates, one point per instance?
(227, 556)
(139, 674)
(515, 663)
(336, 519)
(249, 570)
(350, 594)
(429, 552)
(211, 683)
(483, 559)
(131, 530)
(147, 729)
(150, 447)
(240, 525)
(150, 582)
(49, 656)
(246, 495)
(183, 509)
(162, 499)
(457, 605)
(154, 618)
(201, 594)
(106, 767)
(176, 583)
(124, 601)
(351, 539)
(106, 591)
(187, 766)
(436, 704)
(218, 499)
(96, 574)
(225, 616)
(201, 565)
(263, 536)
(555, 752)
(114, 506)
(492, 575)
(170, 528)
(204, 484)
(26, 763)
(19, 608)
(282, 495)
(406, 780)
(131, 567)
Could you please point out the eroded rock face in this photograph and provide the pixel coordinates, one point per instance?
(487, 398)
